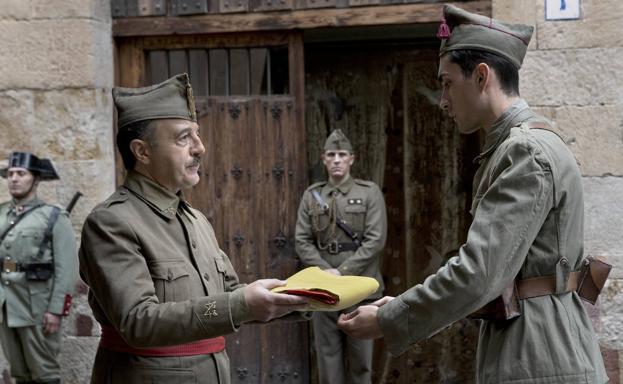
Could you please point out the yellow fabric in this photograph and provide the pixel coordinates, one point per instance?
(349, 289)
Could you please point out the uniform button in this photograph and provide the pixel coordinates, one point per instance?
(12, 222)
(123, 193)
(206, 276)
(7, 283)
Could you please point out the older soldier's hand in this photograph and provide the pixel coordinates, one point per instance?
(265, 305)
(363, 322)
(51, 323)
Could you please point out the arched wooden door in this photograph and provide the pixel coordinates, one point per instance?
(249, 99)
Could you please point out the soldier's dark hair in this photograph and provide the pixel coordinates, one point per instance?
(507, 72)
(143, 130)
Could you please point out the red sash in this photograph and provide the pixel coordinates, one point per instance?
(112, 340)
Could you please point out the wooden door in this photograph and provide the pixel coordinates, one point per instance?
(248, 92)
(385, 98)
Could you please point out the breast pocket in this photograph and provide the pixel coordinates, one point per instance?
(356, 217)
(27, 246)
(171, 281)
(221, 268)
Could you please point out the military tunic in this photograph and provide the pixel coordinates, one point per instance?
(157, 276)
(361, 204)
(527, 217)
(24, 302)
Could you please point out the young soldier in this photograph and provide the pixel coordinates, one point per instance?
(162, 290)
(39, 272)
(528, 223)
(341, 228)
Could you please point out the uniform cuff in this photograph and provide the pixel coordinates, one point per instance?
(239, 310)
(393, 319)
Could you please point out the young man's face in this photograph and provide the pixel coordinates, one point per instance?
(175, 154)
(20, 182)
(338, 163)
(460, 95)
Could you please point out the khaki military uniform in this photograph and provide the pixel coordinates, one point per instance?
(33, 356)
(528, 216)
(319, 242)
(157, 276)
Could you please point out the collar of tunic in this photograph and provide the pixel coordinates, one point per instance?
(18, 209)
(499, 131)
(160, 199)
(343, 187)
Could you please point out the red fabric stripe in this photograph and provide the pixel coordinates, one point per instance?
(112, 340)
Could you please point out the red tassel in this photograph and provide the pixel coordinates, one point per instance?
(444, 30)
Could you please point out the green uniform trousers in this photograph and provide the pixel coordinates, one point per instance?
(341, 359)
(32, 355)
(120, 368)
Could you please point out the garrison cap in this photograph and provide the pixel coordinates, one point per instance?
(338, 141)
(41, 167)
(171, 99)
(460, 29)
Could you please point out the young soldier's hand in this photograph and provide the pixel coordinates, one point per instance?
(265, 305)
(362, 323)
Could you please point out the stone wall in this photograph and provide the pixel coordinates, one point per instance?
(56, 72)
(573, 74)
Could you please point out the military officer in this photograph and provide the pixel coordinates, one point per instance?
(527, 223)
(341, 228)
(38, 255)
(161, 288)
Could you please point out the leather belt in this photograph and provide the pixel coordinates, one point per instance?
(7, 265)
(112, 341)
(544, 285)
(334, 247)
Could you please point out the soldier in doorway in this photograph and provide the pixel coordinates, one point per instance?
(526, 239)
(38, 255)
(160, 286)
(341, 228)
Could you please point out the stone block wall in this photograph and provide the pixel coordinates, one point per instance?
(56, 72)
(573, 74)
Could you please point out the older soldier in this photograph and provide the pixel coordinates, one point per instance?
(39, 272)
(162, 290)
(528, 223)
(341, 228)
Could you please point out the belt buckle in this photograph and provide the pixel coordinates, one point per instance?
(9, 266)
(334, 247)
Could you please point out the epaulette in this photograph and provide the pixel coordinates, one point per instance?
(365, 183)
(119, 196)
(316, 185)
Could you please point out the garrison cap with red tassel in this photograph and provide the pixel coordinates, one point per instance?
(460, 29)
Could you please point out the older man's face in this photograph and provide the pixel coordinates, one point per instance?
(175, 154)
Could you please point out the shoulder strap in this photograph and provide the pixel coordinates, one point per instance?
(546, 127)
(47, 236)
(17, 220)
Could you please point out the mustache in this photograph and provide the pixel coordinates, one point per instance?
(196, 161)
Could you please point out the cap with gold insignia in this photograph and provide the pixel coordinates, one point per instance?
(42, 167)
(171, 99)
(337, 141)
(460, 29)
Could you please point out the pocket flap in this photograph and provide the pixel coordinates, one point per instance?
(355, 208)
(599, 270)
(168, 271)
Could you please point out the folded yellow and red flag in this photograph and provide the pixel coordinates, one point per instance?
(326, 291)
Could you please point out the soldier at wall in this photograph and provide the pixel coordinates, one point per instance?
(527, 229)
(341, 228)
(160, 286)
(38, 255)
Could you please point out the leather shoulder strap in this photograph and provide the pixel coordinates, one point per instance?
(16, 221)
(47, 236)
